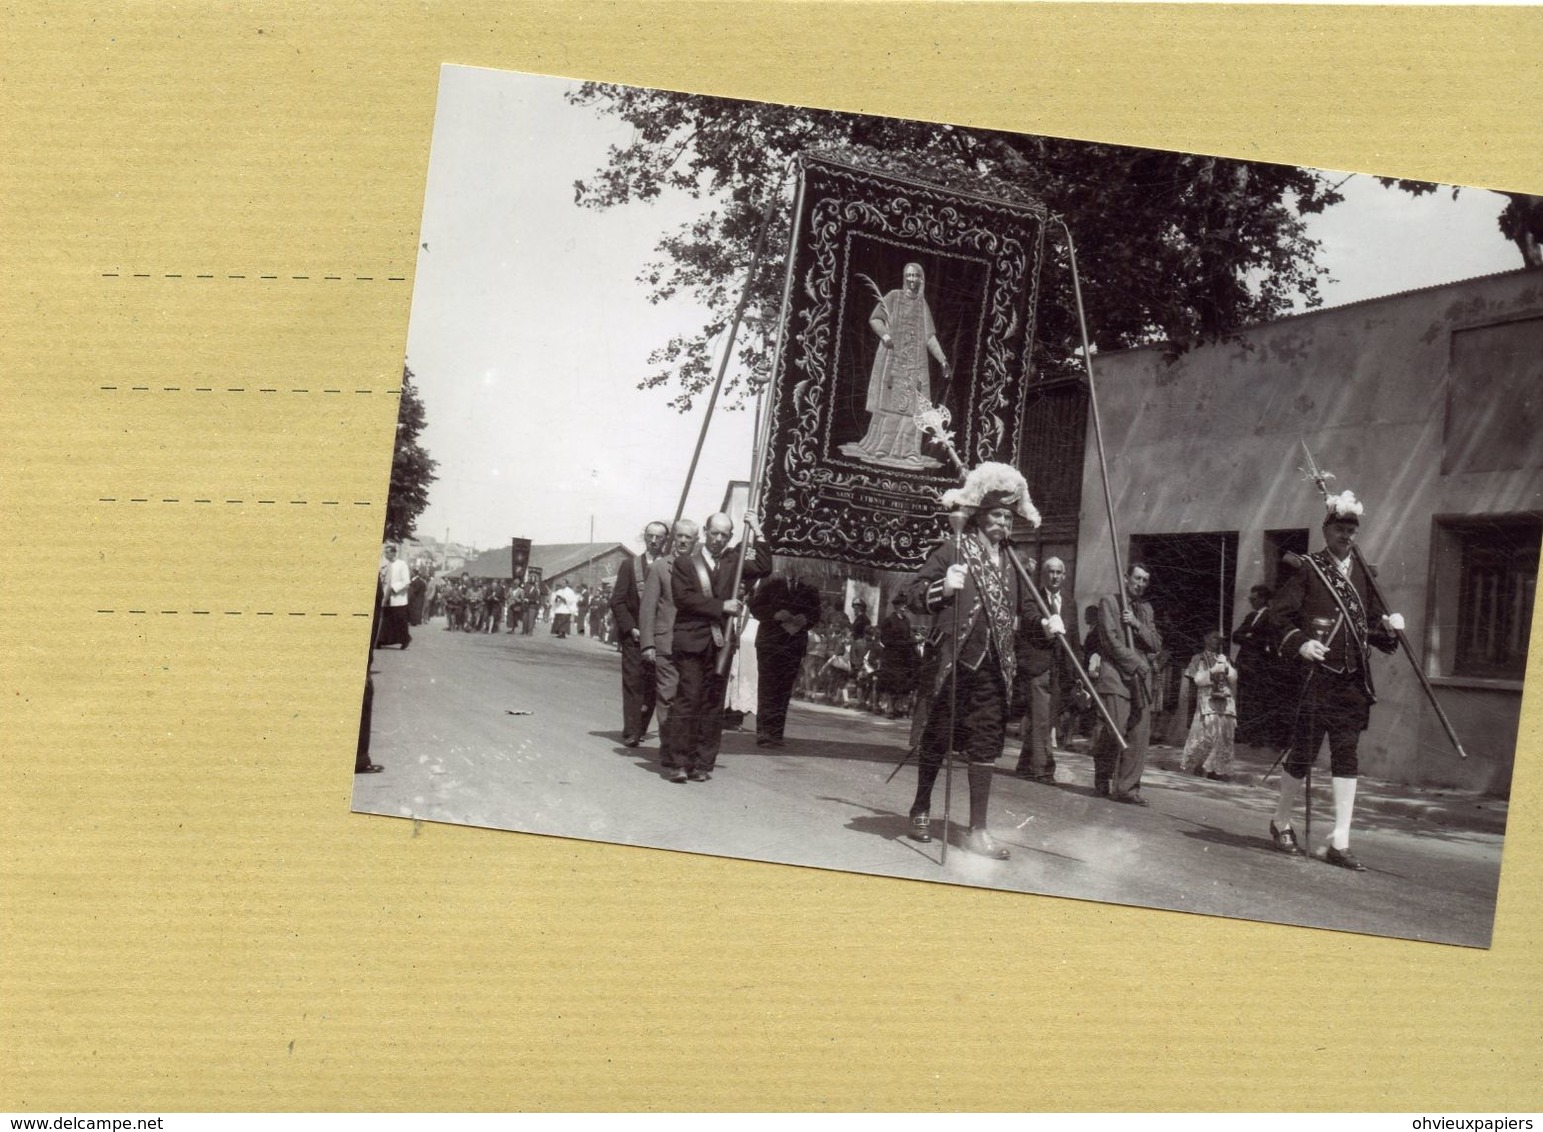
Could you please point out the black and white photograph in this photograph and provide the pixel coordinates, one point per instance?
(941, 503)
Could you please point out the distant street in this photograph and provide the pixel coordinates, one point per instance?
(453, 753)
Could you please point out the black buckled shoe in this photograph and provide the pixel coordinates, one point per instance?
(921, 827)
(1344, 858)
(1285, 840)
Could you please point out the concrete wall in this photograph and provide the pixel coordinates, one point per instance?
(1210, 443)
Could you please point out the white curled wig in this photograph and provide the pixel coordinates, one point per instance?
(993, 485)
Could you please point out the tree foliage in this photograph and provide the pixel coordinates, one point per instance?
(412, 469)
(1172, 247)
(1520, 221)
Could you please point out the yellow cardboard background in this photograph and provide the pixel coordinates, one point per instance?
(191, 919)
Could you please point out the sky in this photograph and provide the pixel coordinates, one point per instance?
(529, 332)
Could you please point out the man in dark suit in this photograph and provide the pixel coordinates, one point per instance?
(897, 659)
(861, 626)
(1328, 617)
(637, 682)
(1258, 707)
(703, 585)
(973, 590)
(1040, 664)
(785, 609)
(1124, 682)
(656, 624)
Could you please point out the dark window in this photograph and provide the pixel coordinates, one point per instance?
(1497, 582)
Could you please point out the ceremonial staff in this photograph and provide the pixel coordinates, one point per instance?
(728, 345)
(763, 415)
(933, 420)
(1320, 479)
(1139, 690)
(956, 521)
(736, 622)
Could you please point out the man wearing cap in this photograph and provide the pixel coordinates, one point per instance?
(975, 594)
(897, 658)
(784, 610)
(1125, 684)
(637, 681)
(861, 626)
(1328, 617)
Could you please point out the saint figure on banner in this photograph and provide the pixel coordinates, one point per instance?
(903, 323)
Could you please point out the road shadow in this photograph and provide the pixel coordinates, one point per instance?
(1452, 819)
(616, 738)
(743, 743)
(1210, 835)
(892, 826)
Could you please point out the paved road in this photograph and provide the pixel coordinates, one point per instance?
(453, 753)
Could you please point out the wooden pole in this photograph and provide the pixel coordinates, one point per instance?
(728, 345)
(1139, 690)
(1320, 479)
(1039, 598)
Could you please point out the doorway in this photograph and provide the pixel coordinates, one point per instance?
(1193, 576)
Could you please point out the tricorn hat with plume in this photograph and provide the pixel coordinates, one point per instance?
(991, 485)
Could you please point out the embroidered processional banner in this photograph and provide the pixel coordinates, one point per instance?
(898, 289)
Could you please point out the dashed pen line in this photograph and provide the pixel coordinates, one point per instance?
(226, 612)
(237, 502)
(237, 389)
(243, 276)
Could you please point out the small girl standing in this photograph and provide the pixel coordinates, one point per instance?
(1208, 749)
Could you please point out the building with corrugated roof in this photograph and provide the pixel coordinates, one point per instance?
(578, 563)
(1429, 406)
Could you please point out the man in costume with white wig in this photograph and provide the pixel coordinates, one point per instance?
(1328, 616)
(976, 595)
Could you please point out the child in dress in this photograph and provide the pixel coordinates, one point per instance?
(1208, 749)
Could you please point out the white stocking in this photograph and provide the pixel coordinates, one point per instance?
(1290, 791)
(1344, 807)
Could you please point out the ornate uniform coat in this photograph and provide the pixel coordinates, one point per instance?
(989, 605)
(1319, 602)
